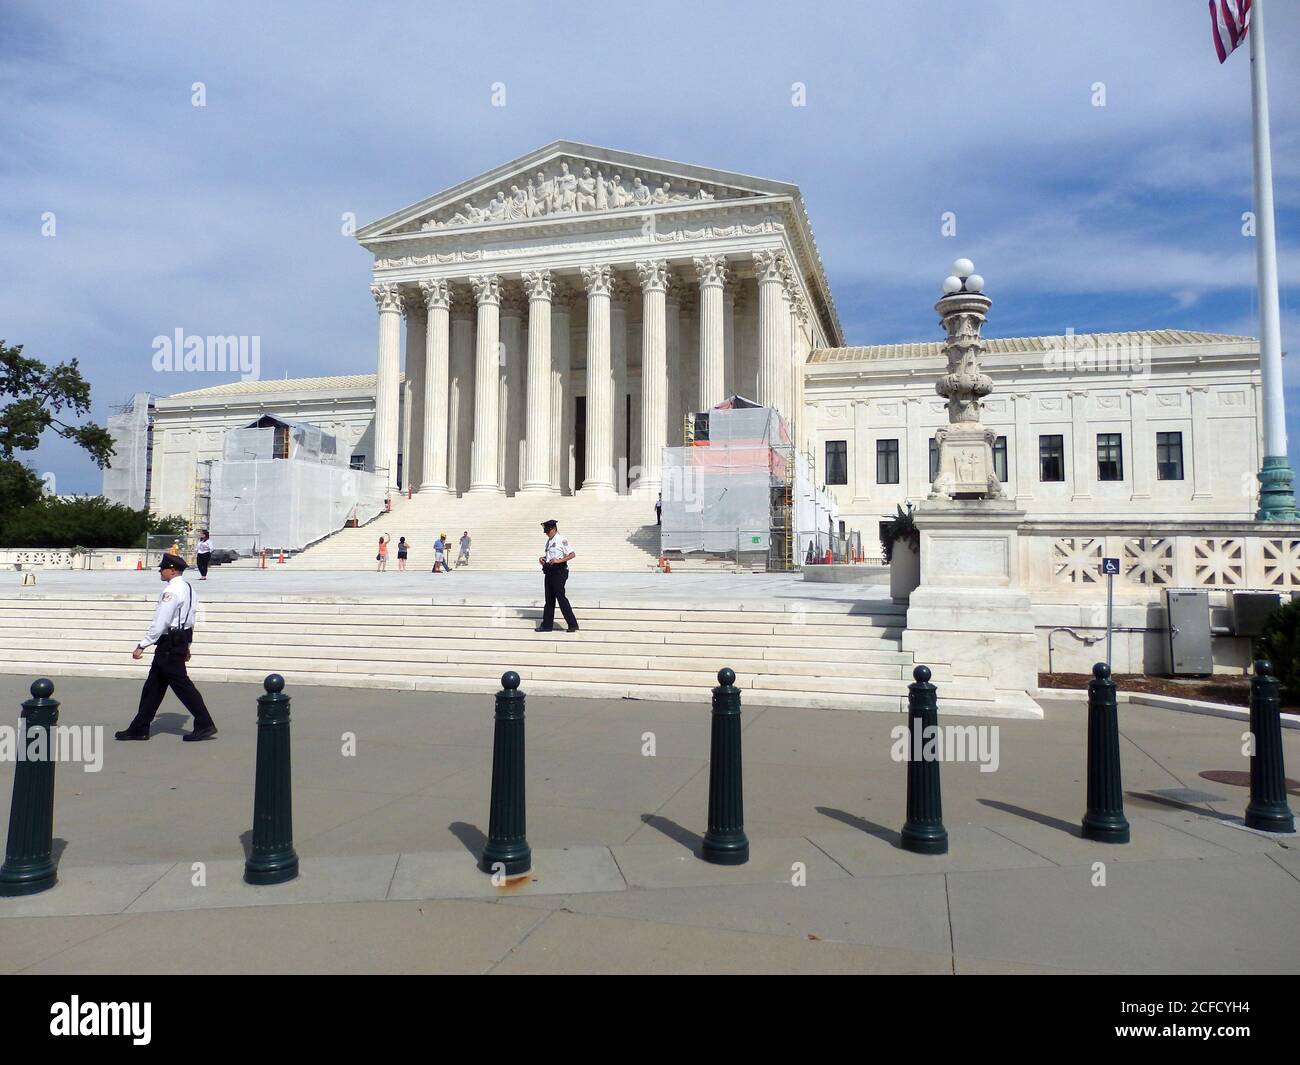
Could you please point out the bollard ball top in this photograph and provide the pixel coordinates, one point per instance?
(42, 688)
(510, 680)
(1101, 671)
(274, 684)
(922, 674)
(1263, 668)
(726, 676)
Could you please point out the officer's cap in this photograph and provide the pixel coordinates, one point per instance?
(170, 561)
(550, 523)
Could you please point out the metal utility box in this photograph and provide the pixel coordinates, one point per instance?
(1251, 609)
(1189, 633)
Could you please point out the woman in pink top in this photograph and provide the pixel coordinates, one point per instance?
(382, 557)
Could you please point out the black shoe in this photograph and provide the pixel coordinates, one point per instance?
(542, 629)
(572, 628)
(200, 734)
(131, 734)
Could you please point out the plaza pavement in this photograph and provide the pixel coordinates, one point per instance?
(389, 884)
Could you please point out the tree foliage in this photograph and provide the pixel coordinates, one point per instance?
(84, 522)
(1280, 644)
(39, 399)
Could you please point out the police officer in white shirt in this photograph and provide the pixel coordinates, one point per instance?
(170, 634)
(555, 569)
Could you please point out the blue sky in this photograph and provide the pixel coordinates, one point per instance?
(225, 219)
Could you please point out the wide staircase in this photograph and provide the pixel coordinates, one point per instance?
(612, 533)
(827, 654)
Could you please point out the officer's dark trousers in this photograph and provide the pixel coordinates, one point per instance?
(556, 578)
(168, 670)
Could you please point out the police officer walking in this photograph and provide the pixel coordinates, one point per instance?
(555, 570)
(171, 633)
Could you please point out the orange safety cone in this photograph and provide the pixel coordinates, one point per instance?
(281, 558)
(263, 565)
(139, 563)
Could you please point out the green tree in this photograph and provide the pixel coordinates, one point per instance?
(1280, 644)
(38, 398)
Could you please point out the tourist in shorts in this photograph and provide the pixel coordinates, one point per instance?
(382, 557)
(463, 558)
(401, 553)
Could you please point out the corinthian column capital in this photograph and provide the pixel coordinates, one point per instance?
(538, 285)
(487, 289)
(653, 274)
(597, 280)
(437, 293)
(711, 269)
(388, 297)
(769, 265)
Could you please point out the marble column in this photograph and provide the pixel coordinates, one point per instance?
(619, 291)
(1026, 458)
(561, 390)
(460, 396)
(654, 371)
(387, 373)
(729, 339)
(712, 273)
(1081, 453)
(437, 347)
(539, 289)
(487, 374)
(771, 325)
(600, 383)
(675, 411)
(510, 406)
(413, 427)
(1201, 443)
(1141, 446)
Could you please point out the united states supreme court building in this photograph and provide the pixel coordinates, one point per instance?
(547, 328)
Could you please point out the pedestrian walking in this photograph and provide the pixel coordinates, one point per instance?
(446, 553)
(463, 558)
(440, 555)
(382, 557)
(659, 509)
(203, 554)
(170, 634)
(555, 571)
(401, 553)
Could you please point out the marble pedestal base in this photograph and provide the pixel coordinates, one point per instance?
(970, 611)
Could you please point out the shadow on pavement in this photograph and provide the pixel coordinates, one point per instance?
(1068, 827)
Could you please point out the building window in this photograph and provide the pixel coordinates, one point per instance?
(1169, 456)
(1110, 457)
(886, 462)
(357, 462)
(934, 459)
(837, 462)
(1051, 458)
(1000, 458)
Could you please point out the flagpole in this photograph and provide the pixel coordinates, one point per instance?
(1276, 492)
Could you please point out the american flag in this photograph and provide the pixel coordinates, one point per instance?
(1229, 21)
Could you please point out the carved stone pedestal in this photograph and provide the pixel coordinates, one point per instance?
(970, 612)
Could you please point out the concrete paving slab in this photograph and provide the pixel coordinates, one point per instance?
(1229, 833)
(661, 865)
(1222, 915)
(875, 852)
(904, 914)
(362, 937)
(25, 941)
(1065, 845)
(570, 942)
(455, 874)
(88, 890)
(335, 879)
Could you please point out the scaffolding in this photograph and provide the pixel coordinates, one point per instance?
(739, 489)
(127, 478)
(282, 484)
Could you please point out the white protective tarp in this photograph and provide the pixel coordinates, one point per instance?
(126, 479)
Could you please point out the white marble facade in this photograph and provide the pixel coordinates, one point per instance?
(582, 290)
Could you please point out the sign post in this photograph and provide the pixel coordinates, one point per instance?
(1110, 567)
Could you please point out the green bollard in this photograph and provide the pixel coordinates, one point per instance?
(507, 847)
(273, 859)
(1268, 810)
(725, 842)
(1104, 821)
(923, 833)
(29, 864)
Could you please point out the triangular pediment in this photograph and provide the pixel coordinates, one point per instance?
(565, 180)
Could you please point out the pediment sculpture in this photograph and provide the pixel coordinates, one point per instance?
(563, 191)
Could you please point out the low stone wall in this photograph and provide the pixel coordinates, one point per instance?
(39, 558)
